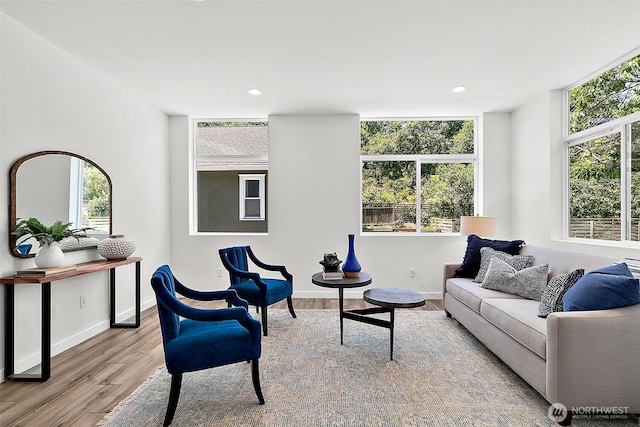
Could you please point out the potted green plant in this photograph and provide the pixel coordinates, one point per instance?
(48, 237)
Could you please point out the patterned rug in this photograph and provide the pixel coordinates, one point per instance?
(440, 376)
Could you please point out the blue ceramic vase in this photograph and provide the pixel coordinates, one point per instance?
(351, 266)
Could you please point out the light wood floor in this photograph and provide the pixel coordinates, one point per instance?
(88, 380)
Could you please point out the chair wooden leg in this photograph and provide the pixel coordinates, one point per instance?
(290, 305)
(255, 376)
(174, 395)
(264, 320)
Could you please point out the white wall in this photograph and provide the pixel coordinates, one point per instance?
(495, 171)
(314, 179)
(51, 101)
(530, 166)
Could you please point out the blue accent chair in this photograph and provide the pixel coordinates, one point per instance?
(251, 287)
(203, 338)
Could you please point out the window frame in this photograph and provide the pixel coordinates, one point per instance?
(620, 125)
(419, 160)
(193, 176)
(76, 191)
(77, 182)
(242, 182)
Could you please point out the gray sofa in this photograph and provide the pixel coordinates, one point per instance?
(578, 359)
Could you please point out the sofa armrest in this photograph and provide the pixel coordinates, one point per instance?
(448, 272)
(593, 358)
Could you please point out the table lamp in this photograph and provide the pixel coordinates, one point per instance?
(483, 226)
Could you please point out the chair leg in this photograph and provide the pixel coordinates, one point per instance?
(290, 305)
(264, 320)
(174, 395)
(255, 376)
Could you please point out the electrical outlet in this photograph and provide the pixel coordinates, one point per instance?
(219, 272)
(83, 301)
(412, 272)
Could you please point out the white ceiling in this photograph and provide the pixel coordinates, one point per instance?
(388, 58)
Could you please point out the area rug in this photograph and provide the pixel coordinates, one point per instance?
(440, 376)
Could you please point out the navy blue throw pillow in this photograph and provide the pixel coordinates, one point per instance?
(471, 262)
(608, 287)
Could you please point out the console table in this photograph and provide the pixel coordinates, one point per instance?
(45, 283)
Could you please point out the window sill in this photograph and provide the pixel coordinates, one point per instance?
(601, 243)
(408, 234)
(226, 233)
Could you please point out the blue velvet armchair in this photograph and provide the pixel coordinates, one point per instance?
(251, 287)
(204, 338)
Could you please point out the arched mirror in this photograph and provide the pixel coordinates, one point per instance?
(58, 185)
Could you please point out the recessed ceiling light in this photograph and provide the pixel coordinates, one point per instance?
(255, 91)
(459, 89)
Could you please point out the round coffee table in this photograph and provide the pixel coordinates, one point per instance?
(389, 299)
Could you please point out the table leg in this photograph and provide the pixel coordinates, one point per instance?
(112, 300)
(46, 332)
(9, 331)
(137, 294)
(45, 336)
(391, 323)
(341, 305)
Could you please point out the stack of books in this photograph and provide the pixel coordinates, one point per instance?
(44, 272)
(332, 275)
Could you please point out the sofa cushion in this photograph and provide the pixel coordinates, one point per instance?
(471, 261)
(528, 283)
(471, 294)
(518, 319)
(519, 262)
(551, 300)
(608, 287)
(563, 261)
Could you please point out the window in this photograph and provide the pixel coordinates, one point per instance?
(88, 197)
(231, 173)
(610, 95)
(603, 151)
(418, 176)
(251, 197)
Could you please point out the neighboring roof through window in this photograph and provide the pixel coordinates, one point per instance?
(238, 146)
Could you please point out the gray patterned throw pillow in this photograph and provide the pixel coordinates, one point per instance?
(528, 283)
(518, 262)
(551, 300)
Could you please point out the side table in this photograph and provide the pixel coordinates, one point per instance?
(363, 279)
(388, 299)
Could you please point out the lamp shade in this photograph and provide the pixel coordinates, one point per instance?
(483, 226)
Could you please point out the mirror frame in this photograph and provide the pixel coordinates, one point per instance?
(13, 173)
